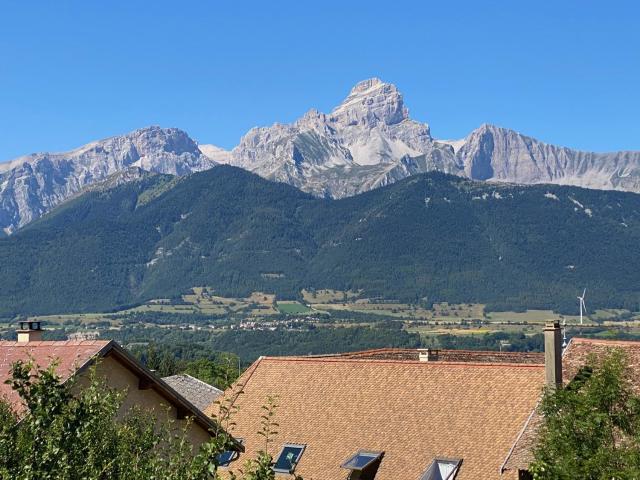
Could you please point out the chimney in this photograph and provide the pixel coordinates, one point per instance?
(428, 354)
(553, 355)
(29, 331)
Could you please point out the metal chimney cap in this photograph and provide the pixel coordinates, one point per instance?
(30, 325)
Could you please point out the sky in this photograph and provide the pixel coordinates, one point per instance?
(566, 72)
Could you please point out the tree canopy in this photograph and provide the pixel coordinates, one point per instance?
(65, 434)
(431, 235)
(591, 428)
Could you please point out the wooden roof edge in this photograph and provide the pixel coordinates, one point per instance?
(161, 387)
(504, 467)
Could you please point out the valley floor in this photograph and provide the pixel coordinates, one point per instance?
(326, 321)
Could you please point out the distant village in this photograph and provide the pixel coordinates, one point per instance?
(384, 414)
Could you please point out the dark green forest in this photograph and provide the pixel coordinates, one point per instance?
(248, 345)
(428, 238)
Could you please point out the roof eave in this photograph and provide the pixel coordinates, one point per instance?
(157, 383)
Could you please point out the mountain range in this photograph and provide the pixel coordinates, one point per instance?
(366, 142)
(427, 238)
(34, 184)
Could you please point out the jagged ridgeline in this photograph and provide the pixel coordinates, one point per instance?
(367, 141)
(431, 235)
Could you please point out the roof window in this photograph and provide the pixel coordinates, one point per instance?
(363, 465)
(442, 469)
(228, 456)
(288, 458)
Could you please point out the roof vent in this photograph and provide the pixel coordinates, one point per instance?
(29, 331)
(428, 355)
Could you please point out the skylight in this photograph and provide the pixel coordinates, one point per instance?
(361, 460)
(288, 458)
(442, 469)
(228, 456)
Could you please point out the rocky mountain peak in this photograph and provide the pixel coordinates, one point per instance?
(34, 184)
(371, 102)
(365, 142)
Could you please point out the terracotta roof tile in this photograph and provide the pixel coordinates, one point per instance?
(413, 411)
(442, 355)
(70, 354)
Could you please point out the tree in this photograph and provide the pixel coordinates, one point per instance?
(591, 428)
(67, 434)
(220, 374)
(219, 369)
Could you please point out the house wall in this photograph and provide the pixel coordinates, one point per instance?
(118, 376)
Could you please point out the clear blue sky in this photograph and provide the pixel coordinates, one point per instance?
(567, 72)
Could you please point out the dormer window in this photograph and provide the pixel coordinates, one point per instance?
(288, 458)
(363, 465)
(442, 469)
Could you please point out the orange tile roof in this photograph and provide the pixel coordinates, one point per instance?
(71, 356)
(574, 357)
(442, 355)
(413, 411)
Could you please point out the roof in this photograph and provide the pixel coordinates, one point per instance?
(71, 355)
(574, 357)
(74, 356)
(412, 411)
(442, 355)
(199, 393)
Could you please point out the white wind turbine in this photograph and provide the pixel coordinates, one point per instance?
(583, 307)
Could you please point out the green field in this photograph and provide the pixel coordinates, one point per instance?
(533, 316)
(334, 308)
(293, 308)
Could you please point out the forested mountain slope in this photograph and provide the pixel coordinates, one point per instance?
(34, 184)
(431, 235)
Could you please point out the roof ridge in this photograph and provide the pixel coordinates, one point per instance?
(208, 385)
(605, 341)
(48, 343)
(240, 384)
(399, 362)
(392, 349)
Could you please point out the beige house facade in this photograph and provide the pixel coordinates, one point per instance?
(115, 365)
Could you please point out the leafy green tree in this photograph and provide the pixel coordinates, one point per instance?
(220, 374)
(219, 369)
(591, 428)
(73, 434)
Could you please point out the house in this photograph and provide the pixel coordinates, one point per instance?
(199, 393)
(120, 370)
(389, 414)
(574, 357)
(400, 414)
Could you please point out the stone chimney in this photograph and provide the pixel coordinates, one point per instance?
(29, 331)
(553, 355)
